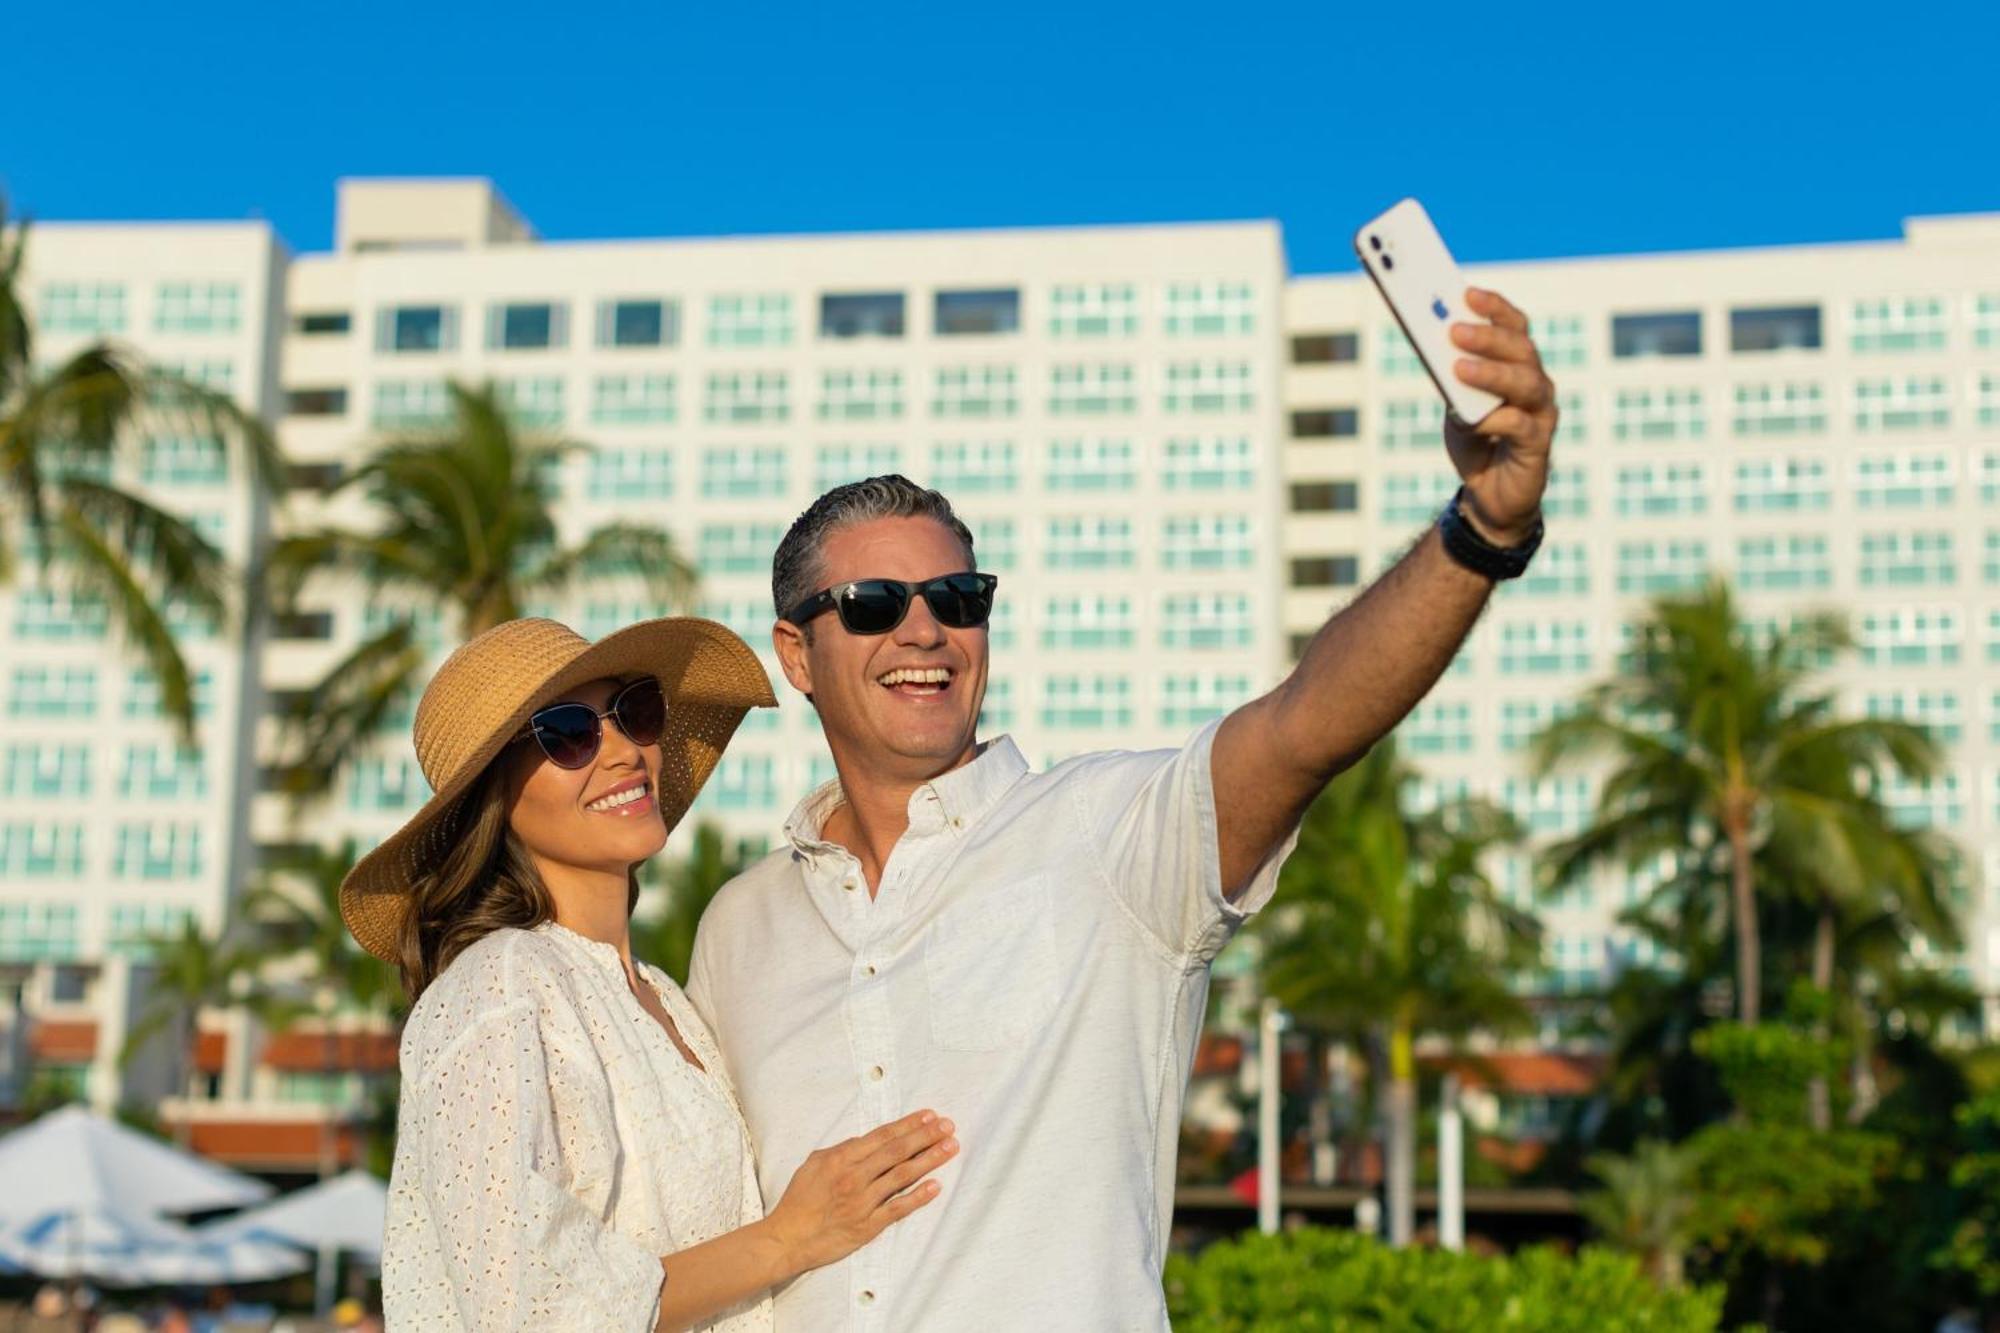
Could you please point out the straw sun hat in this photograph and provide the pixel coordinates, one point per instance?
(480, 700)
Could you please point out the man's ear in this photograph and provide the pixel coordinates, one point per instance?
(790, 643)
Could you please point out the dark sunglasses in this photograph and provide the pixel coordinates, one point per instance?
(876, 606)
(571, 733)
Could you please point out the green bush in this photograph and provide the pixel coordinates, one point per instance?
(1341, 1282)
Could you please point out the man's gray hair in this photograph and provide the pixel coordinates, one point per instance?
(795, 569)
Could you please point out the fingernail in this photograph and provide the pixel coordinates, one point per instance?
(927, 1117)
(951, 1145)
(946, 1126)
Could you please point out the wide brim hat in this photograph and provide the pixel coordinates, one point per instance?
(480, 700)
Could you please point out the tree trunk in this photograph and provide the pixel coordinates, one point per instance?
(1400, 1164)
(1743, 906)
(1817, 1105)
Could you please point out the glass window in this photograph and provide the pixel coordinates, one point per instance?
(974, 391)
(1093, 310)
(1986, 400)
(1087, 702)
(1914, 402)
(625, 400)
(1090, 465)
(1937, 711)
(1659, 414)
(83, 307)
(630, 474)
(1209, 464)
(1551, 807)
(1667, 333)
(46, 770)
(839, 464)
(1783, 564)
(1522, 719)
(1560, 569)
(60, 615)
(1316, 423)
(996, 710)
(526, 325)
(1092, 389)
(1906, 479)
(1414, 423)
(1661, 566)
(1898, 324)
(742, 782)
(738, 473)
(1325, 497)
(183, 460)
(1209, 386)
(1658, 490)
(994, 310)
(1568, 495)
(996, 543)
(1205, 308)
(1325, 571)
(535, 400)
(1205, 541)
(1091, 620)
(322, 323)
(33, 932)
(53, 692)
(417, 328)
(157, 850)
(1416, 497)
(860, 395)
(397, 786)
(1205, 620)
(1395, 356)
(861, 315)
(197, 307)
(1907, 560)
(746, 396)
(973, 467)
(1544, 647)
(1934, 803)
(1911, 636)
(738, 548)
(410, 404)
(1194, 699)
(1560, 340)
(758, 319)
(40, 849)
(1782, 485)
(632, 322)
(143, 698)
(1313, 349)
(327, 402)
(1438, 726)
(1088, 543)
(1794, 408)
(1774, 329)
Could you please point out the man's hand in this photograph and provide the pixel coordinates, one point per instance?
(1504, 461)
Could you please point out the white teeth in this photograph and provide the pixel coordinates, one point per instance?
(616, 799)
(915, 676)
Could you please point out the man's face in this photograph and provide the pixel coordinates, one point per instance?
(877, 718)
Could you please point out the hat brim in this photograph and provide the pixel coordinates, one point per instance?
(711, 679)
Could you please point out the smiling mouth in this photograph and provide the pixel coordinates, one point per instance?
(631, 801)
(916, 682)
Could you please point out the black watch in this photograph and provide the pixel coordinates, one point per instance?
(1464, 544)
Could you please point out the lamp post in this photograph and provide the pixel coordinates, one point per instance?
(1271, 1024)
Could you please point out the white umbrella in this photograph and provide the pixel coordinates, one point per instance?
(345, 1212)
(72, 1160)
(117, 1246)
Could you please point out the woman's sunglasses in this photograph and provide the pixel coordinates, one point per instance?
(571, 733)
(876, 606)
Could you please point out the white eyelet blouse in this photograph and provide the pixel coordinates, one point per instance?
(552, 1145)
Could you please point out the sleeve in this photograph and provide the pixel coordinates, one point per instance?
(1152, 817)
(518, 1250)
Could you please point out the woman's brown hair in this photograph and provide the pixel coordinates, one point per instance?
(487, 882)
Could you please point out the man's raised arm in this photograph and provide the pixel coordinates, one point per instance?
(1371, 663)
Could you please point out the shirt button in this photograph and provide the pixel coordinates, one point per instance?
(868, 970)
(956, 822)
(866, 1298)
(850, 886)
(875, 1073)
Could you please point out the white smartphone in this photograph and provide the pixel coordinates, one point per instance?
(1417, 276)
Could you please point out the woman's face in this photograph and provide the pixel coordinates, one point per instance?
(562, 816)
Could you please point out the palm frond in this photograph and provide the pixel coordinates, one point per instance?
(97, 566)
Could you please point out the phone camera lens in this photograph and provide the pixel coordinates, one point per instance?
(1375, 241)
(1388, 261)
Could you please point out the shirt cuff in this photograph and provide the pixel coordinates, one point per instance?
(1227, 915)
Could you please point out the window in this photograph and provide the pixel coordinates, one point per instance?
(1198, 698)
(46, 770)
(1318, 423)
(1090, 465)
(1911, 636)
(637, 323)
(1206, 308)
(1796, 408)
(1211, 464)
(996, 710)
(1560, 569)
(327, 402)
(1937, 711)
(1907, 560)
(1205, 620)
(838, 464)
(410, 404)
(1208, 386)
(1438, 726)
(1325, 497)
(742, 782)
(1782, 485)
(60, 615)
(1904, 480)
(1659, 414)
(535, 400)
(1412, 423)
(630, 400)
(157, 850)
(302, 626)
(162, 773)
(741, 473)
(1762, 632)
(83, 307)
(1915, 402)
(43, 931)
(996, 544)
(973, 467)
(322, 323)
(1522, 719)
(1783, 564)
(183, 460)
(527, 325)
(416, 328)
(1900, 324)
(1094, 310)
(1416, 497)
(1325, 571)
(1092, 388)
(1544, 647)
(1655, 567)
(1655, 490)
(1990, 570)
(746, 396)
(1936, 803)
(974, 391)
(1575, 964)
(1672, 333)
(377, 785)
(1395, 356)
(1568, 495)
(762, 319)
(1088, 543)
(861, 315)
(1774, 329)
(1560, 340)
(196, 307)
(53, 692)
(1092, 621)
(738, 548)
(40, 850)
(860, 395)
(1986, 400)
(1086, 702)
(1205, 542)
(1574, 427)
(961, 313)
(1552, 807)
(1314, 349)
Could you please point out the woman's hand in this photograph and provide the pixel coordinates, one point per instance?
(843, 1196)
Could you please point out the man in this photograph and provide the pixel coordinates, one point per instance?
(1028, 953)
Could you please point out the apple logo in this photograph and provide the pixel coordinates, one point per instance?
(1439, 308)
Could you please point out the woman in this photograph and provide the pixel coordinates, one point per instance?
(569, 1153)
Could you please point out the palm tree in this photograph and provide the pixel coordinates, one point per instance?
(60, 431)
(667, 939)
(1388, 930)
(1646, 1205)
(1720, 756)
(466, 521)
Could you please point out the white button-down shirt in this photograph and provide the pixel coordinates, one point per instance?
(1035, 967)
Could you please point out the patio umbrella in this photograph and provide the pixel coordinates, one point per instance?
(345, 1213)
(72, 1160)
(114, 1245)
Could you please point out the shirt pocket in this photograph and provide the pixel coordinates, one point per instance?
(991, 968)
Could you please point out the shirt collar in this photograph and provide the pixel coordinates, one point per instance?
(951, 801)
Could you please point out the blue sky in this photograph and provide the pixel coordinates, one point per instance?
(1530, 130)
